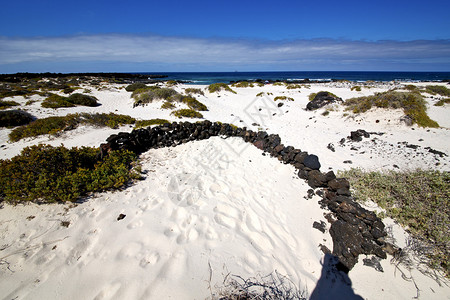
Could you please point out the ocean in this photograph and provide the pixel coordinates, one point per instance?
(227, 77)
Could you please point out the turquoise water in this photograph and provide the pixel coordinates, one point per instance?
(214, 77)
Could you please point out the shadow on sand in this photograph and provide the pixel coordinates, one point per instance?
(333, 283)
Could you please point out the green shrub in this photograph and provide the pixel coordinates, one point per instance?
(8, 104)
(442, 102)
(190, 91)
(85, 100)
(411, 87)
(292, 86)
(278, 83)
(283, 98)
(217, 87)
(149, 94)
(146, 123)
(260, 94)
(167, 105)
(242, 84)
(56, 101)
(56, 174)
(10, 118)
(356, 88)
(54, 125)
(312, 96)
(416, 199)
(187, 113)
(193, 103)
(135, 86)
(171, 83)
(412, 103)
(437, 89)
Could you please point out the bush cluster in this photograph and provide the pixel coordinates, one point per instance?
(54, 125)
(442, 102)
(191, 91)
(56, 101)
(292, 86)
(413, 104)
(56, 174)
(187, 113)
(356, 88)
(146, 123)
(242, 84)
(8, 104)
(194, 104)
(149, 94)
(217, 87)
(283, 98)
(437, 90)
(134, 86)
(11, 118)
(419, 200)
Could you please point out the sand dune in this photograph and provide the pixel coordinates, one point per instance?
(210, 209)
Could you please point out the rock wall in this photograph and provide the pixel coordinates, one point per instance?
(354, 230)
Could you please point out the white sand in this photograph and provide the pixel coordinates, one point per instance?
(210, 208)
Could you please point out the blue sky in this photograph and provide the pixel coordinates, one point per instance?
(85, 36)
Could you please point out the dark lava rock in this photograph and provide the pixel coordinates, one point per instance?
(316, 179)
(121, 217)
(322, 99)
(347, 242)
(312, 161)
(358, 135)
(320, 226)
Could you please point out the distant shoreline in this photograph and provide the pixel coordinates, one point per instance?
(206, 78)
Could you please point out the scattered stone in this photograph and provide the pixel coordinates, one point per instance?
(331, 147)
(65, 223)
(121, 217)
(373, 262)
(348, 162)
(312, 161)
(320, 226)
(280, 104)
(358, 135)
(310, 194)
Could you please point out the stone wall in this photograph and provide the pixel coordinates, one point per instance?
(354, 230)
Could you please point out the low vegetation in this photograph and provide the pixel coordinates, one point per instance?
(190, 91)
(12, 118)
(55, 125)
(242, 84)
(134, 86)
(8, 104)
(146, 123)
(217, 87)
(187, 113)
(292, 86)
(419, 200)
(442, 102)
(151, 93)
(167, 105)
(283, 98)
(56, 101)
(356, 88)
(194, 104)
(437, 90)
(412, 103)
(48, 174)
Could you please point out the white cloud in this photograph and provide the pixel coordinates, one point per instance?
(185, 51)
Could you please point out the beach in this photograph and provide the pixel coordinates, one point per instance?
(211, 210)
